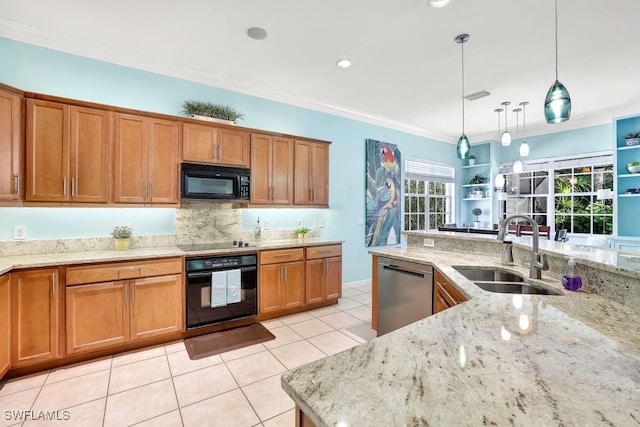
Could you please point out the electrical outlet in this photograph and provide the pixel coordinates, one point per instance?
(315, 223)
(428, 242)
(267, 224)
(299, 223)
(19, 232)
(321, 223)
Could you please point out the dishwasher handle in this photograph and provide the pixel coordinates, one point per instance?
(416, 273)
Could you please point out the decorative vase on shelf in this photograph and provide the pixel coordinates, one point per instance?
(476, 224)
(122, 244)
(472, 162)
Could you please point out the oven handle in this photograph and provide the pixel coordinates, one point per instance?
(208, 273)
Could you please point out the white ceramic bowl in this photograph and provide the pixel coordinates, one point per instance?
(633, 169)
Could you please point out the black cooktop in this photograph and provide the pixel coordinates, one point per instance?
(216, 245)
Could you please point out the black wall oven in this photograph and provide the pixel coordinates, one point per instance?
(217, 183)
(220, 289)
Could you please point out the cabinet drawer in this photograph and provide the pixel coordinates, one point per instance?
(281, 255)
(122, 270)
(324, 251)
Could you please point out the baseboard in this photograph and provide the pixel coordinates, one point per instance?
(356, 283)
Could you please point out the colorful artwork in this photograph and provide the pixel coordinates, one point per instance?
(382, 193)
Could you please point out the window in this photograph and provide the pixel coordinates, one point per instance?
(563, 193)
(428, 195)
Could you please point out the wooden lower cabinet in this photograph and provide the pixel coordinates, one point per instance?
(156, 306)
(5, 322)
(445, 294)
(35, 313)
(281, 280)
(324, 279)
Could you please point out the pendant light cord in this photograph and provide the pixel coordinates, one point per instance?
(556, 40)
(462, 46)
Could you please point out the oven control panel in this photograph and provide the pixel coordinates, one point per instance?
(219, 263)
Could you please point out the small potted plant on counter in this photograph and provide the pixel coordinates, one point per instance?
(476, 212)
(121, 235)
(211, 112)
(302, 232)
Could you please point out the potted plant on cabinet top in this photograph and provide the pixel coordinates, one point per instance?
(211, 112)
(632, 138)
(472, 160)
(302, 232)
(476, 212)
(121, 235)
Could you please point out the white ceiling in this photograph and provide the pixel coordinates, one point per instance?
(406, 71)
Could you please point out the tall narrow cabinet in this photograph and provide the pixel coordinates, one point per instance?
(627, 189)
(11, 147)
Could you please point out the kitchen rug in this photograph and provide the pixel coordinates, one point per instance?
(222, 341)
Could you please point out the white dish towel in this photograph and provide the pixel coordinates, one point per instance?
(218, 289)
(234, 285)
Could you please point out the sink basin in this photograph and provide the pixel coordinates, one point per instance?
(516, 288)
(489, 275)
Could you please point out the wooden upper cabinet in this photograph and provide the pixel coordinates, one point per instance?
(5, 323)
(271, 170)
(210, 144)
(146, 160)
(67, 153)
(311, 173)
(11, 146)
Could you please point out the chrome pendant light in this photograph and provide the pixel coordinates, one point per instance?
(524, 147)
(463, 147)
(506, 136)
(517, 164)
(557, 104)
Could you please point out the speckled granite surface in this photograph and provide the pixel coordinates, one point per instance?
(496, 359)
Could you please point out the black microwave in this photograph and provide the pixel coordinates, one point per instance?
(216, 183)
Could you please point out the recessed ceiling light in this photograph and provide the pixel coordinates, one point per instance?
(257, 33)
(477, 95)
(343, 63)
(438, 3)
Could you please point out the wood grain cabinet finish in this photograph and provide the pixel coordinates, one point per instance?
(5, 323)
(311, 173)
(271, 170)
(445, 294)
(136, 307)
(323, 269)
(11, 146)
(210, 144)
(67, 153)
(146, 160)
(35, 313)
(281, 279)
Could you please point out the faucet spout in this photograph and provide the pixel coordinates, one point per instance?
(538, 261)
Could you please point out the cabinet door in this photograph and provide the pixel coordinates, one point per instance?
(270, 289)
(261, 169)
(439, 301)
(11, 173)
(282, 171)
(314, 284)
(320, 174)
(233, 147)
(5, 323)
(292, 284)
(34, 312)
(130, 159)
(90, 160)
(97, 316)
(333, 278)
(302, 173)
(164, 161)
(156, 306)
(47, 151)
(198, 142)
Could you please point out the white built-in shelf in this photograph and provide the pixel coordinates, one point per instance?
(477, 165)
(476, 185)
(629, 175)
(627, 147)
(628, 195)
(477, 198)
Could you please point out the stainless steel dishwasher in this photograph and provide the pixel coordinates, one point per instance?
(405, 293)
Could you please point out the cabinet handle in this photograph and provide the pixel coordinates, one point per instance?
(270, 193)
(135, 267)
(215, 153)
(16, 184)
(310, 195)
(285, 273)
(281, 274)
(324, 270)
(220, 151)
(150, 190)
(53, 284)
(64, 186)
(313, 195)
(133, 294)
(324, 251)
(124, 295)
(73, 186)
(287, 255)
(144, 191)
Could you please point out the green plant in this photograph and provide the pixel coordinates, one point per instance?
(632, 135)
(472, 157)
(209, 109)
(121, 232)
(634, 163)
(478, 179)
(476, 212)
(302, 230)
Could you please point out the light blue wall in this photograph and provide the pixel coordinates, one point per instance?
(36, 69)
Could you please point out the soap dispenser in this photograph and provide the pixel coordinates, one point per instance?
(571, 279)
(258, 232)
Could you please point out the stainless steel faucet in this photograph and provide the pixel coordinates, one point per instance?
(538, 262)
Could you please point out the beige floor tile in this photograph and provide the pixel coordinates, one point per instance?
(139, 404)
(363, 288)
(278, 400)
(228, 409)
(172, 419)
(297, 354)
(295, 318)
(319, 312)
(347, 304)
(362, 312)
(88, 414)
(349, 292)
(362, 298)
(310, 328)
(340, 320)
(242, 352)
(254, 368)
(333, 342)
(73, 371)
(203, 384)
(23, 383)
(284, 335)
(288, 419)
(19, 401)
(72, 392)
(137, 355)
(140, 373)
(174, 347)
(271, 324)
(180, 363)
(361, 332)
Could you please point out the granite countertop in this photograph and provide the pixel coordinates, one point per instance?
(496, 359)
(8, 263)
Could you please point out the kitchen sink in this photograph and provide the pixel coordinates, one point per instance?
(489, 275)
(516, 288)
